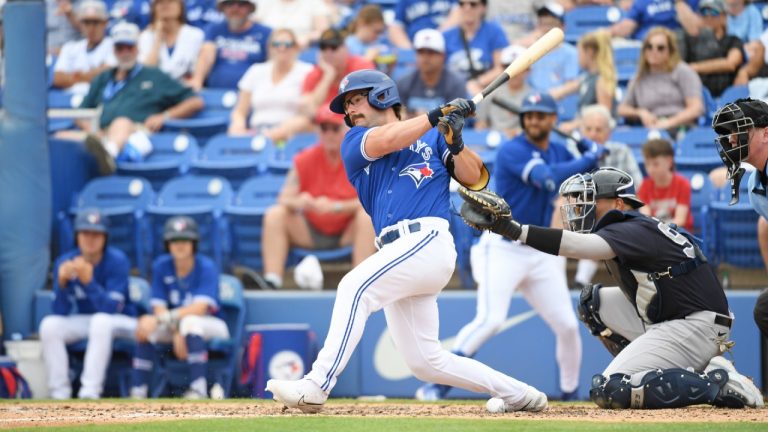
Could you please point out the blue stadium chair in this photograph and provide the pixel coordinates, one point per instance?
(281, 159)
(734, 234)
(710, 107)
(702, 194)
(626, 59)
(124, 200)
(202, 126)
(732, 93)
(245, 217)
(406, 62)
(203, 198)
(309, 55)
(61, 99)
(568, 107)
(636, 136)
(584, 19)
(235, 158)
(219, 98)
(171, 156)
(697, 150)
(485, 143)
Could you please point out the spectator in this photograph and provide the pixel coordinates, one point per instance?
(203, 13)
(430, 84)
(333, 63)
(647, 14)
(80, 61)
(271, 91)
(307, 18)
(185, 310)
(561, 64)
(133, 11)
(136, 100)
(517, 18)
(667, 195)
(711, 52)
(597, 85)
(169, 43)
(746, 23)
(665, 93)
(92, 278)
(492, 116)
(472, 48)
(230, 47)
(317, 208)
(366, 38)
(61, 25)
(414, 15)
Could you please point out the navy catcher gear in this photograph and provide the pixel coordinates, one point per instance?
(589, 314)
(181, 228)
(668, 388)
(382, 91)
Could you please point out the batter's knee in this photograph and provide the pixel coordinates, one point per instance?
(427, 366)
(191, 325)
(51, 327)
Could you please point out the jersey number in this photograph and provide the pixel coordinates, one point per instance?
(678, 238)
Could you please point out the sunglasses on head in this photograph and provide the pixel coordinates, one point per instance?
(282, 44)
(469, 3)
(708, 12)
(659, 48)
(329, 127)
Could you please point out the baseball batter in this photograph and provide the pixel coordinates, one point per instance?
(667, 322)
(401, 171)
(93, 281)
(742, 129)
(528, 169)
(185, 302)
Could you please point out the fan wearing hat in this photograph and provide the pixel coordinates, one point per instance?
(643, 15)
(82, 60)
(185, 310)
(90, 288)
(317, 207)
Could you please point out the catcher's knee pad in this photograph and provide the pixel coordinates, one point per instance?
(589, 314)
(613, 392)
(668, 388)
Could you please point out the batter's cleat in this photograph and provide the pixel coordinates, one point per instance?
(302, 394)
(739, 391)
(534, 401)
(431, 392)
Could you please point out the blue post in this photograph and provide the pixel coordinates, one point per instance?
(25, 175)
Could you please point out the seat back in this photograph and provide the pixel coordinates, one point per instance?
(735, 232)
(171, 156)
(625, 59)
(235, 158)
(697, 150)
(584, 19)
(702, 194)
(218, 98)
(281, 158)
(191, 191)
(732, 93)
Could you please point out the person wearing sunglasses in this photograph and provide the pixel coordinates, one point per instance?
(414, 15)
(80, 61)
(169, 43)
(665, 93)
(271, 92)
(644, 15)
(317, 207)
(230, 47)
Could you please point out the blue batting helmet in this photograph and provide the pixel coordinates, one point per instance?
(382, 91)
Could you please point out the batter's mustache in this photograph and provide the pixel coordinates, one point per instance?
(354, 117)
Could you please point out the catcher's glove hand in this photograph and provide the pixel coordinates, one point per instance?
(485, 210)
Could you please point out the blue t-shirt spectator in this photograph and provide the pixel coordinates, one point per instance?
(652, 13)
(747, 26)
(134, 11)
(488, 38)
(415, 15)
(202, 13)
(235, 53)
(554, 69)
(200, 285)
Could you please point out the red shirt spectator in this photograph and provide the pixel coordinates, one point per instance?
(662, 201)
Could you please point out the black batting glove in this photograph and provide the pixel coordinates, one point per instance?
(465, 107)
(450, 126)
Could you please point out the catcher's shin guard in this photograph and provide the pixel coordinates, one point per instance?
(589, 314)
(668, 388)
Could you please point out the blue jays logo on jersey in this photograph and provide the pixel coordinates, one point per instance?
(418, 172)
(422, 149)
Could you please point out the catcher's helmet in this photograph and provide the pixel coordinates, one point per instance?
(180, 228)
(581, 191)
(382, 91)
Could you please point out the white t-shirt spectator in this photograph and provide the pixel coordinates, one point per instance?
(179, 62)
(296, 15)
(76, 57)
(273, 103)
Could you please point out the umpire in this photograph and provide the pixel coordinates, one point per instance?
(667, 322)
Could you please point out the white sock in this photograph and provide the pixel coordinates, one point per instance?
(274, 279)
(111, 148)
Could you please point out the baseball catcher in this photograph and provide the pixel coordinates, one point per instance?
(667, 323)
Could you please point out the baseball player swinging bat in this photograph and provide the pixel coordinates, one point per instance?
(537, 50)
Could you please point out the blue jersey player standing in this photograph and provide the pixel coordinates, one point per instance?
(401, 171)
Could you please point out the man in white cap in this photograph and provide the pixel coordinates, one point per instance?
(430, 84)
(495, 117)
(136, 101)
(80, 61)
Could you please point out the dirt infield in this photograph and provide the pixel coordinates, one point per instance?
(30, 414)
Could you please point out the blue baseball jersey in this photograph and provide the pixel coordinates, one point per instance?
(406, 184)
(757, 192)
(489, 38)
(202, 13)
(235, 53)
(107, 292)
(415, 15)
(200, 285)
(523, 171)
(651, 13)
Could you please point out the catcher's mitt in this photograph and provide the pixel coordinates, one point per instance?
(485, 210)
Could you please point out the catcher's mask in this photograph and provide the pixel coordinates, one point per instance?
(733, 123)
(581, 192)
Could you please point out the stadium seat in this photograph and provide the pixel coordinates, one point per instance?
(734, 233)
(245, 217)
(123, 200)
(202, 126)
(702, 194)
(60, 99)
(281, 159)
(568, 107)
(171, 156)
(732, 93)
(626, 58)
(697, 150)
(484, 142)
(710, 107)
(219, 98)
(636, 136)
(235, 158)
(203, 198)
(584, 19)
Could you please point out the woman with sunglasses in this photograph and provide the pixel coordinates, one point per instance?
(665, 93)
(271, 92)
(169, 43)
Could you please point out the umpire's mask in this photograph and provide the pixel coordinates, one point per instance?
(578, 211)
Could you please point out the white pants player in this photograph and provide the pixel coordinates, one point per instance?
(404, 278)
(500, 267)
(57, 331)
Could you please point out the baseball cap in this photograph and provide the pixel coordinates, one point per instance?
(430, 39)
(331, 38)
(717, 5)
(510, 53)
(551, 8)
(91, 219)
(539, 102)
(92, 9)
(125, 33)
(180, 228)
(325, 115)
